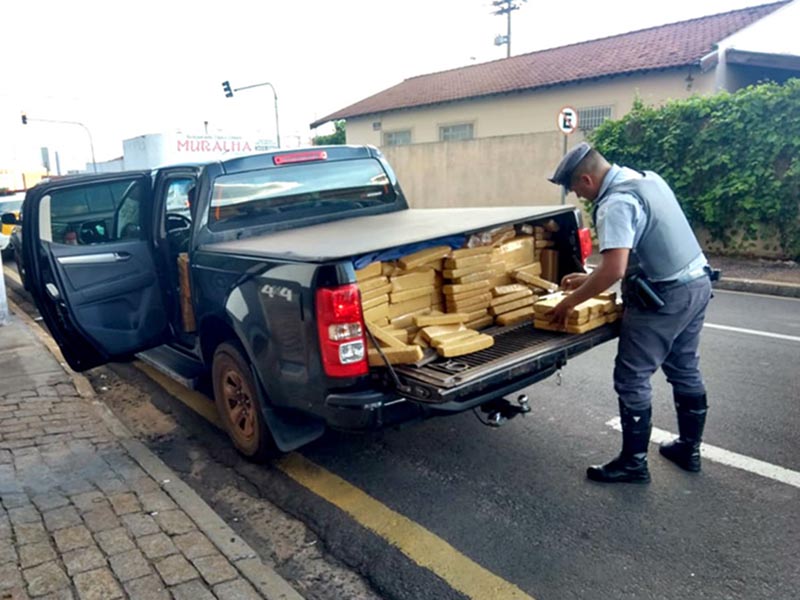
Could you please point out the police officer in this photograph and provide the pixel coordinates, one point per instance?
(646, 241)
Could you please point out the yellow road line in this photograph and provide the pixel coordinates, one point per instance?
(195, 400)
(12, 274)
(417, 543)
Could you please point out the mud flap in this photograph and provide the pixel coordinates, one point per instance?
(289, 431)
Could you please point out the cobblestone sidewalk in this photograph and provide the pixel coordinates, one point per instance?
(86, 512)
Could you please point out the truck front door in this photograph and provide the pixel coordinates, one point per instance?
(89, 257)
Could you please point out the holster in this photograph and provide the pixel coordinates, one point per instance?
(638, 291)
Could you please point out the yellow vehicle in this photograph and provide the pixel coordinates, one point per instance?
(9, 204)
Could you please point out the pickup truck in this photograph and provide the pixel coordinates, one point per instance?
(238, 277)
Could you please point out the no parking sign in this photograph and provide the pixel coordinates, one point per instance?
(567, 119)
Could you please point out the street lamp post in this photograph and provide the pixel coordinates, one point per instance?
(26, 119)
(229, 93)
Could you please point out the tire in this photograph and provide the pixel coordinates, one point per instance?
(236, 398)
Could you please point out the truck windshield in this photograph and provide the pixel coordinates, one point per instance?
(292, 192)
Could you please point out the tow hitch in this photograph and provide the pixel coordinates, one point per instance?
(501, 410)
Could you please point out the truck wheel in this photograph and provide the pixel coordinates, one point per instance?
(236, 397)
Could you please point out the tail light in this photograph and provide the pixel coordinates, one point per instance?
(341, 331)
(585, 239)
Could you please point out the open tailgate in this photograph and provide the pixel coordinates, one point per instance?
(520, 356)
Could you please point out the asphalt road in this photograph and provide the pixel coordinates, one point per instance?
(516, 502)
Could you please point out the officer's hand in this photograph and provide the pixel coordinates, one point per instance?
(559, 314)
(573, 281)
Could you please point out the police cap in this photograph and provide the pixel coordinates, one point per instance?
(568, 164)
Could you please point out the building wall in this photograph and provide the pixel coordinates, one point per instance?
(497, 171)
(530, 112)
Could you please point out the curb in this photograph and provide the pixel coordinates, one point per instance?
(263, 577)
(759, 286)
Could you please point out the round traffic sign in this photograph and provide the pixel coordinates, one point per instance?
(568, 119)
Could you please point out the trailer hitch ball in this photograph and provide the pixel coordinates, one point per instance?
(524, 407)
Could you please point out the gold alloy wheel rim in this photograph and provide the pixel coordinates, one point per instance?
(239, 404)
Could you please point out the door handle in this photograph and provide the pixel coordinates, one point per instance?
(95, 259)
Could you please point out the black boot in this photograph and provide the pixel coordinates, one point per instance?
(631, 464)
(685, 451)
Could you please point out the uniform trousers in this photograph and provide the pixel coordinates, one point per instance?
(668, 338)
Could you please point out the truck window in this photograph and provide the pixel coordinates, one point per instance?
(95, 214)
(298, 191)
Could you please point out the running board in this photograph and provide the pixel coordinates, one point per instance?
(174, 364)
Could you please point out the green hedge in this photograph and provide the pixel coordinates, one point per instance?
(733, 160)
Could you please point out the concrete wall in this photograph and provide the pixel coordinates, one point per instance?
(496, 171)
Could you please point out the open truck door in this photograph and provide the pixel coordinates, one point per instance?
(89, 255)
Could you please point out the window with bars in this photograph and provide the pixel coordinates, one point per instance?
(397, 138)
(451, 133)
(593, 116)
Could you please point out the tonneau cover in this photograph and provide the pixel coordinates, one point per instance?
(361, 235)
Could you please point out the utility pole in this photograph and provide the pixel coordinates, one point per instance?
(504, 7)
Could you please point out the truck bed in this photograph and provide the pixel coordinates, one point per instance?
(353, 237)
(520, 353)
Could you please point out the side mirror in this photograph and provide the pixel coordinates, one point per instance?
(10, 219)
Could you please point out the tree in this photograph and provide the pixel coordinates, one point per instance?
(338, 137)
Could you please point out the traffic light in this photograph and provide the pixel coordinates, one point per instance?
(24, 119)
(226, 86)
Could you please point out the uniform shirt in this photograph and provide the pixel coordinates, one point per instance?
(621, 220)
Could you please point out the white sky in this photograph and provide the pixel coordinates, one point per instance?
(130, 68)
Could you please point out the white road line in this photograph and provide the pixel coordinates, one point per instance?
(724, 457)
(777, 336)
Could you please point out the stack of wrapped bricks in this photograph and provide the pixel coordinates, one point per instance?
(584, 317)
(440, 297)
